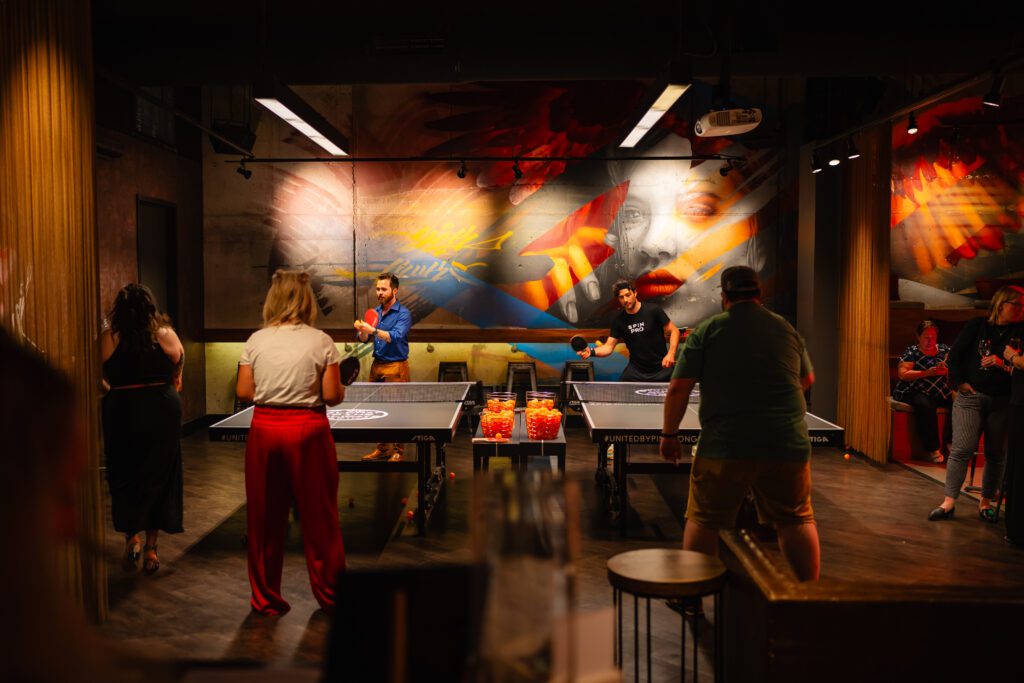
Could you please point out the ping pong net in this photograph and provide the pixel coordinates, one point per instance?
(625, 392)
(407, 392)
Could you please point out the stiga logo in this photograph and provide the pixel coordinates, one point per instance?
(424, 437)
(818, 439)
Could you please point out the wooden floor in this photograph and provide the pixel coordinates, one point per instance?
(872, 521)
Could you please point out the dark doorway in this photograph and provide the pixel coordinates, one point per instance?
(158, 252)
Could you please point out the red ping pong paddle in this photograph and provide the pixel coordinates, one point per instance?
(578, 343)
(349, 370)
(371, 317)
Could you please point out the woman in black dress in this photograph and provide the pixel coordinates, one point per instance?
(142, 362)
(1012, 353)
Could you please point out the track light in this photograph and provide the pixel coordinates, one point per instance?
(851, 149)
(516, 171)
(995, 94)
(243, 171)
(834, 158)
(912, 125)
(462, 170)
(815, 163)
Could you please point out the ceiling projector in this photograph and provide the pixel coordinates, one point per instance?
(727, 122)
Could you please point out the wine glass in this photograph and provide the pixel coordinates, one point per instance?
(985, 349)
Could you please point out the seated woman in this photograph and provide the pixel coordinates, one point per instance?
(922, 372)
(981, 376)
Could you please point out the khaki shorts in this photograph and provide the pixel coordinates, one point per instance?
(782, 491)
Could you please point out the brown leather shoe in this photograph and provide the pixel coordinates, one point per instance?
(377, 454)
(396, 457)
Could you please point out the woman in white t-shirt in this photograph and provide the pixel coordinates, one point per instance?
(290, 370)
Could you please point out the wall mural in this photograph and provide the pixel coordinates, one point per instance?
(958, 201)
(490, 250)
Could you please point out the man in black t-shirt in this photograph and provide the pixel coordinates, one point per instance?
(643, 329)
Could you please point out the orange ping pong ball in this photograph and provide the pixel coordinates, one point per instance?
(451, 475)
(846, 456)
(410, 514)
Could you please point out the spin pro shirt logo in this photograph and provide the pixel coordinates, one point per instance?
(636, 328)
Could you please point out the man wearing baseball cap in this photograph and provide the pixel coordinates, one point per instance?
(753, 371)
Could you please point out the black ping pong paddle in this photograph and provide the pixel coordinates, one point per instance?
(578, 343)
(349, 370)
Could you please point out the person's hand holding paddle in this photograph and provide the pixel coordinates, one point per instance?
(580, 346)
(368, 325)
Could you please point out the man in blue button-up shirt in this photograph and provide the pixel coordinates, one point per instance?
(390, 349)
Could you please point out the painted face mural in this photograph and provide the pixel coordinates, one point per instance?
(489, 249)
(683, 221)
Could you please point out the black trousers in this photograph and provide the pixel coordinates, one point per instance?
(927, 421)
(1015, 476)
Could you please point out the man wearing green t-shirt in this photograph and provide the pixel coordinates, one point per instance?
(753, 371)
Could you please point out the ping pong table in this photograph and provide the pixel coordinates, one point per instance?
(620, 414)
(422, 413)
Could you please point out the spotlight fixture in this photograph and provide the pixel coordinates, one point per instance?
(243, 171)
(815, 163)
(462, 170)
(851, 149)
(912, 125)
(516, 171)
(834, 156)
(995, 94)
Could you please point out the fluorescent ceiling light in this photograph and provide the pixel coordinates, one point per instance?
(668, 97)
(285, 103)
(296, 122)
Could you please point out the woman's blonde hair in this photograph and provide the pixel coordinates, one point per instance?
(1007, 293)
(290, 299)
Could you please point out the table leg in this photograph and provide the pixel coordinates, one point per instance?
(423, 460)
(696, 638)
(621, 469)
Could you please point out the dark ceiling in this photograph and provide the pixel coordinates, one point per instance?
(309, 41)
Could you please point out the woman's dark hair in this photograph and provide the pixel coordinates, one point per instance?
(924, 325)
(134, 317)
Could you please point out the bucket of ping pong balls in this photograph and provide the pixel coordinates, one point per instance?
(542, 420)
(499, 415)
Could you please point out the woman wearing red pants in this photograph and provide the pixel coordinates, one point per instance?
(290, 370)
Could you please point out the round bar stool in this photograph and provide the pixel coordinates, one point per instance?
(666, 574)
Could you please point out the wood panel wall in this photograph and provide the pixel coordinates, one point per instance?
(864, 297)
(48, 280)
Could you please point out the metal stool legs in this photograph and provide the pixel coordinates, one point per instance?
(619, 647)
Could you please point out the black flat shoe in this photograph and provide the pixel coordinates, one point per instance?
(940, 513)
(988, 515)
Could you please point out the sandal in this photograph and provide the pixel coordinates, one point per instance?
(150, 565)
(988, 515)
(132, 553)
